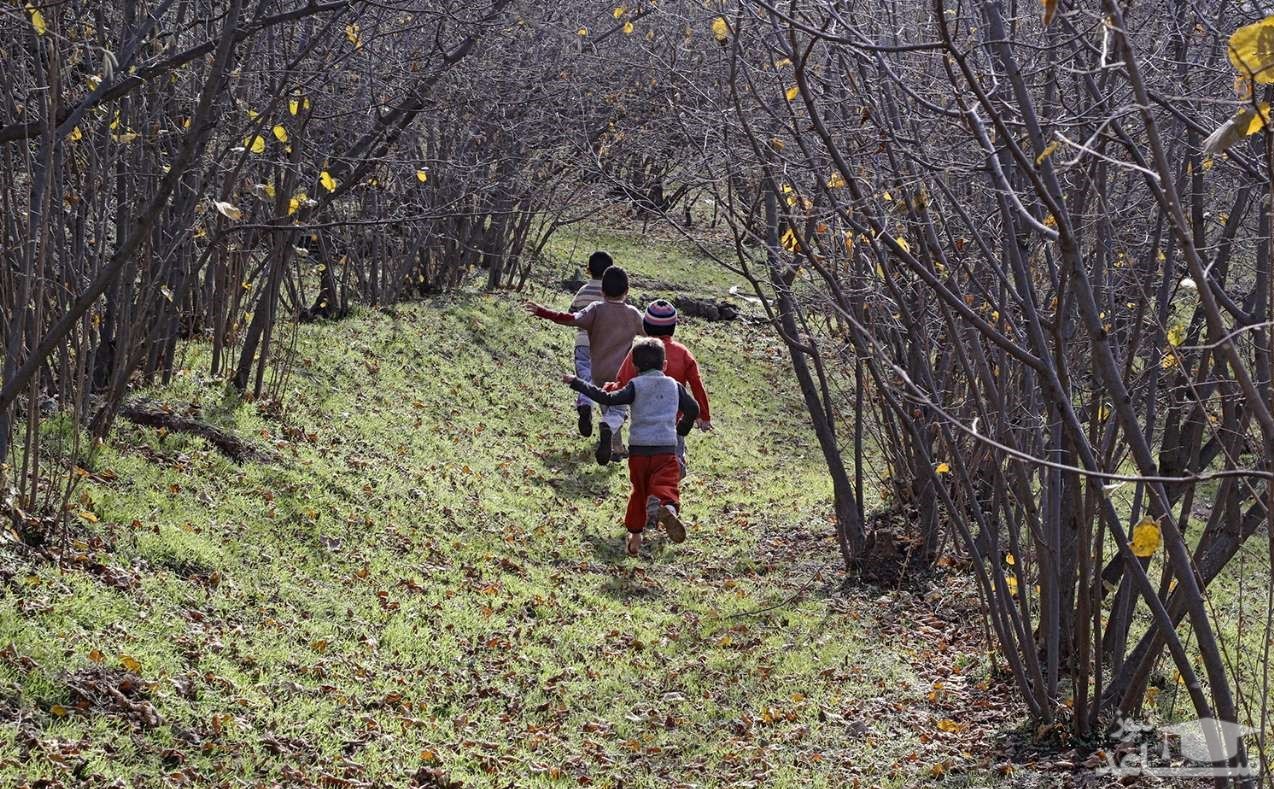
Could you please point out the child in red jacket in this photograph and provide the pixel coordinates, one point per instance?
(660, 320)
(653, 469)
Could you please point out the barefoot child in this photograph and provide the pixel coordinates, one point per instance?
(660, 321)
(598, 262)
(611, 325)
(656, 400)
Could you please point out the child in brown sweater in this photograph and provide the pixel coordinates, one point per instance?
(611, 325)
(598, 262)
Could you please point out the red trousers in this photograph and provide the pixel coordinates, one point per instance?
(651, 475)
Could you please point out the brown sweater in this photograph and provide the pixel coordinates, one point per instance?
(611, 327)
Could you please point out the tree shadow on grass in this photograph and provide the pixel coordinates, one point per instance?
(607, 546)
(624, 584)
(628, 589)
(577, 474)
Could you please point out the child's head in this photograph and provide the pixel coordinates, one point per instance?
(648, 354)
(598, 262)
(615, 283)
(660, 319)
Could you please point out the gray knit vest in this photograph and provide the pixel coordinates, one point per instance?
(654, 411)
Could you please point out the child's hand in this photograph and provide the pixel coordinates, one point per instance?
(704, 426)
(568, 379)
(530, 306)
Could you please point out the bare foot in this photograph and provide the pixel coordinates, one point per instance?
(634, 543)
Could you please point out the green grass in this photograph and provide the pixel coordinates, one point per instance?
(671, 260)
(432, 576)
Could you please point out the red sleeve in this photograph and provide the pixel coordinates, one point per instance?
(563, 318)
(696, 387)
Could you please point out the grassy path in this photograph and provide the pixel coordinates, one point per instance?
(430, 582)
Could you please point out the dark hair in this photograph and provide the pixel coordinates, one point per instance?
(598, 262)
(658, 331)
(615, 282)
(648, 354)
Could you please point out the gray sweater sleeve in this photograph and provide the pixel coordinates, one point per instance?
(689, 411)
(624, 396)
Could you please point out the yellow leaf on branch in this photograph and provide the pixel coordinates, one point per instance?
(792, 93)
(1244, 123)
(354, 35)
(721, 30)
(628, 28)
(294, 106)
(1146, 537)
(228, 210)
(257, 144)
(329, 183)
(280, 133)
(1047, 152)
(422, 176)
(790, 242)
(1251, 50)
(37, 20)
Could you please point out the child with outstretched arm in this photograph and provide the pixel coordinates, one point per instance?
(656, 400)
(591, 291)
(660, 321)
(611, 325)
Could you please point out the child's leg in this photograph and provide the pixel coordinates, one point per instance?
(681, 455)
(664, 486)
(664, 479)
(583, 371)
(635, 516)
(613, 416)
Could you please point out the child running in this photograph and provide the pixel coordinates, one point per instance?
(598, 262)
(680, 365)
(611, 325)
(653, 470)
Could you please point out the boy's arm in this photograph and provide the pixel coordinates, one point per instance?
(560, 318)
(624, 396)
(696, 388)
(689, 411)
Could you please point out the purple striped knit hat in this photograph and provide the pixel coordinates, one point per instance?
(661, 314)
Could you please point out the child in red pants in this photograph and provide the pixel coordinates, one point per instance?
(653, 469)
